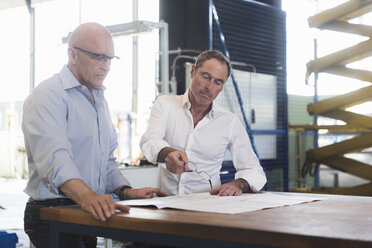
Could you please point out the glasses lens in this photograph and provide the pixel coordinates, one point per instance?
(203, 175)
(192, 166)
(102, 59)
(200, 172)
(98, 58)
(206, 177)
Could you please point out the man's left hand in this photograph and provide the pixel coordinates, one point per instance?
(142, 193)
(236, 187)
(228, 189)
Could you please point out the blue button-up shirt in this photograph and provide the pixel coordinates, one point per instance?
(69, 136)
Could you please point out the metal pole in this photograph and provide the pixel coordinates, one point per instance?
(165, 59)
(32, 44)
(134, 79)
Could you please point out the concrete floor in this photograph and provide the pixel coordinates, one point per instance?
(12, 202)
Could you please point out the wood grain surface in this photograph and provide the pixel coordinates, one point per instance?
(340, 221)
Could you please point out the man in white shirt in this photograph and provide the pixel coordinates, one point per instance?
(190, 134)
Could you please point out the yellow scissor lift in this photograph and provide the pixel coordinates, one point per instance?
(336, 19)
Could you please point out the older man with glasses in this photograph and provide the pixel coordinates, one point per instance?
(188, 136)
(70, 140)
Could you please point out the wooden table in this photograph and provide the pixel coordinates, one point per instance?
(340, 221)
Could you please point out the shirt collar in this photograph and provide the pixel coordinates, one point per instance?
(69, 80)
(186, 104)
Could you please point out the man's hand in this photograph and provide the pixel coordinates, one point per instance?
(100, 206)
(234, 188)
(175, 160)
(142, 193)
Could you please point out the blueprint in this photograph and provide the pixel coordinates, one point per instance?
(205, 202)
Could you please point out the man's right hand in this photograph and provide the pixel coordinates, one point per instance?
(175, 160)
(101, 207)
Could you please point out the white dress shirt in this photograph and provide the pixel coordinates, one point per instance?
(171, 125)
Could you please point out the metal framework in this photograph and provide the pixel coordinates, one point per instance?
(336, 19)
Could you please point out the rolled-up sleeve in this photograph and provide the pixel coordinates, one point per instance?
(245, 160)
(152, 140)
(45, 132)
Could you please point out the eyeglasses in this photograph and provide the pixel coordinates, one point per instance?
(204, 175)
(98, 58)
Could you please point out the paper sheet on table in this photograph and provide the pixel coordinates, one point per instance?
(205, 202)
